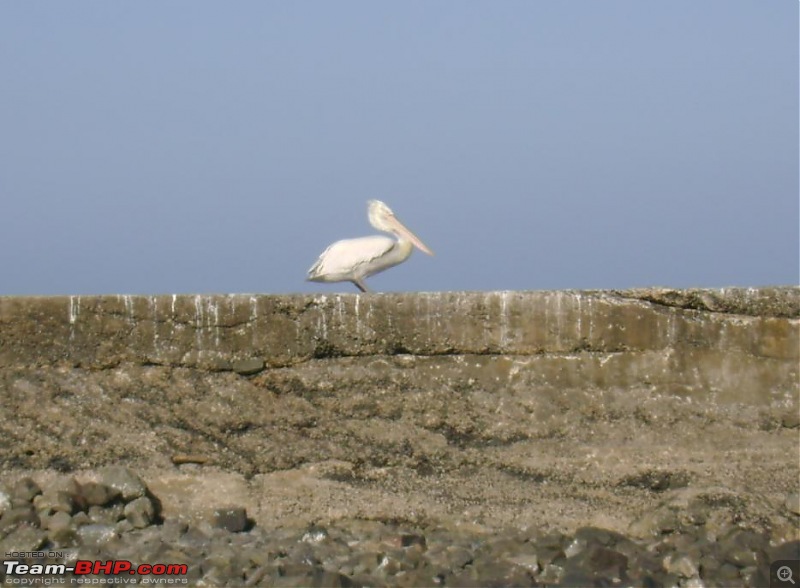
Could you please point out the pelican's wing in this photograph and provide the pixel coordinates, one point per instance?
(342, 260)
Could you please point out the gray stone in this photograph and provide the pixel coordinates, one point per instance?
(529, 561)
(744, 548)
(66, 484)
(23, 538)
(791, 419)
(95, 494)
(54, 500)
(457, 557)
(232, 519)
(58, 520)
(792, 502)
(25, 489)
(681, 565)
(18, 515)
(247, 367)
(139, 512)
(108, 515)
(128, 484)
(552, 574)
(407, 539)
(5, 501)
(95, 534)
(63, 537)
(598, 561)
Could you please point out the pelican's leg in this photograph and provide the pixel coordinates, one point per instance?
(361, 285)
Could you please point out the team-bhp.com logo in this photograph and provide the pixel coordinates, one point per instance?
(85, 571)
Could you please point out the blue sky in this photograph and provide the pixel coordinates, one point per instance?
(199, 147)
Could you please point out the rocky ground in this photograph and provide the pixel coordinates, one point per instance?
(118, 518)
(591, 439)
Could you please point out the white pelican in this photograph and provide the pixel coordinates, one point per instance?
(355, 259)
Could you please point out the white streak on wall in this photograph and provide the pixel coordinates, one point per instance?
(129, 307)
(213, 304)
(339, 312)
(358, 317)
(322, 321)
(74, 308)
(153, 302)
(74, 313)
(504, 320)
(198, 321)
(253, 319)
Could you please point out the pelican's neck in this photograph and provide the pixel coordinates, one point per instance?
(402, 250)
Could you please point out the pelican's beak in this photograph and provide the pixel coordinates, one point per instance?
(401, 230)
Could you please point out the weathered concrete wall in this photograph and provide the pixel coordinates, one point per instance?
(554, 409)
(741, 344)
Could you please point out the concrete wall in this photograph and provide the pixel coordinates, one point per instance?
(739, 344)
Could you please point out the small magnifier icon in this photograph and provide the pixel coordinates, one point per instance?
(784, 574)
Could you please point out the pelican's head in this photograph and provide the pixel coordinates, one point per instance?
(382, 218)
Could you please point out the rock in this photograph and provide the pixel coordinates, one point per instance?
(791, 419)
(599, 561)
(656, 480)
(552, 574)
(407, 539)
(361, 563)
(744, 548)
(54, 500)
(95, 494)
(658, 521)
(247, 367)
(108, 515)
(23, 538)
(18, 515)
(124, 481)
(788, 550)
(59, 520)
(349, 552)
(5, 502)
(550, 548)
(456, 557)
(792, 503)
(681, 565)
(492, 573)
(233, 520)
(529, 562)
(25, 489)
(95, 534)
(139, 512)
(63, 537)
(66, 484)
(194, 538)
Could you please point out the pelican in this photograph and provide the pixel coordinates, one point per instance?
(352, 260)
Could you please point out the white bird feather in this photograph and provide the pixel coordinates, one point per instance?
(355, 259)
